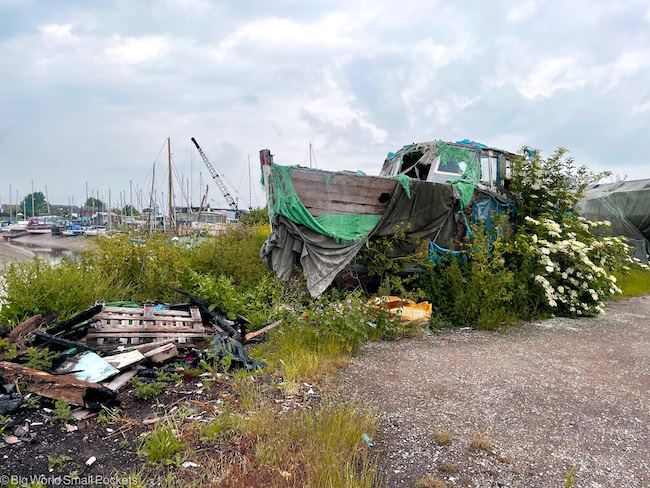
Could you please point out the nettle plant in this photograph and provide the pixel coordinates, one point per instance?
(569, 258)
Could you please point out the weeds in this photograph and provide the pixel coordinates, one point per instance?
(40, 358)
(570, 479)
(448, 468)
(31, 402)
(481, 442)
(221, 426)
(35, 286)
(5, 421)
(430, 482)
(57, 463)
(63, 412)
(442, 437)
(8, 349)
(109, 416)
(144, 390)
(162, 447)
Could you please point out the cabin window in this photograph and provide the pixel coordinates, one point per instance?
(508, 170)
(412, 167)
(485, 170)
(494, 167)
(453, 165)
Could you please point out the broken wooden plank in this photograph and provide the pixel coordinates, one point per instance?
(22, 331)
(120, 380)
(121, 361)
(264, 329)
(68, 388)
(162, 353)
(144, 348)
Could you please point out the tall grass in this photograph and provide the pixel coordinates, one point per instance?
(634, 283)
(298, 351)
(320, 447)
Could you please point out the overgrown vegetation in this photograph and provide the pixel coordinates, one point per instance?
(544, 260)
(633, 283)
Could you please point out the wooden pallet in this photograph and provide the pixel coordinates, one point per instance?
(123, 326)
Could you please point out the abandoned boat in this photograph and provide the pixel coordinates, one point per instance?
(320, 219)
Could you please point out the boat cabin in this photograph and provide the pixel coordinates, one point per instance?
(441, 161)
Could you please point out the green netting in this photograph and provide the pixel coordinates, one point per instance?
(472, 175)
(348, 227)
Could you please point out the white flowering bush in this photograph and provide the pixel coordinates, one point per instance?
(552, 261)
(568, 260)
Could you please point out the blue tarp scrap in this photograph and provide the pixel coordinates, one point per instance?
(484, 208)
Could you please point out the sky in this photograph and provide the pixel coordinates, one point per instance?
(89, 91)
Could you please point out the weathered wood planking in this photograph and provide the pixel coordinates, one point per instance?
(323, 206)
(123, 326)
(345, 194)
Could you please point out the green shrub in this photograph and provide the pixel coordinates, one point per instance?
(475, 288)
(35, 286)
(144, 267)
(261, 302)
(234, 253)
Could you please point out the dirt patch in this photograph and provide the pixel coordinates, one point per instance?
(522, 406)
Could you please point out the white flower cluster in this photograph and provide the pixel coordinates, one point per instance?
(568, 275)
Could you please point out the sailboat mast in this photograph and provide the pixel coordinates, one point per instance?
(169, 155)
(47, 200)
(152, 197)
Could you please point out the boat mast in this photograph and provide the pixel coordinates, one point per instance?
(250, 184)
(110, 212)
(47, 200)
(169, 155)
(151, 200)
(32, 198)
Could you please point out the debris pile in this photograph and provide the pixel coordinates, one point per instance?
(88, 358)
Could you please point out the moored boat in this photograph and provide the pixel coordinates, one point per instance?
(39, 226)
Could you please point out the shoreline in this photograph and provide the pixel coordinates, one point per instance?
(41, 245)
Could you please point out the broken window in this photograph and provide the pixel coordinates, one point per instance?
(485, 170)
(413, 167)
(453, 165)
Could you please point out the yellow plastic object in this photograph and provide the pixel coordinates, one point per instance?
(407, 311)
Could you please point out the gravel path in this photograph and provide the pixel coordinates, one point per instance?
(547, 396)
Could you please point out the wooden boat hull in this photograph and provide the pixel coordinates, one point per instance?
(344, 193)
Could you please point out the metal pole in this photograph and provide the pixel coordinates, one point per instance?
(169, 155)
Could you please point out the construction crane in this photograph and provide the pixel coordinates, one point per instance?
(217, 179)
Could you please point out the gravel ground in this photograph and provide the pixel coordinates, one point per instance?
(547, 396)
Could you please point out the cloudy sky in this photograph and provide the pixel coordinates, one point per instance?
(90, 90)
